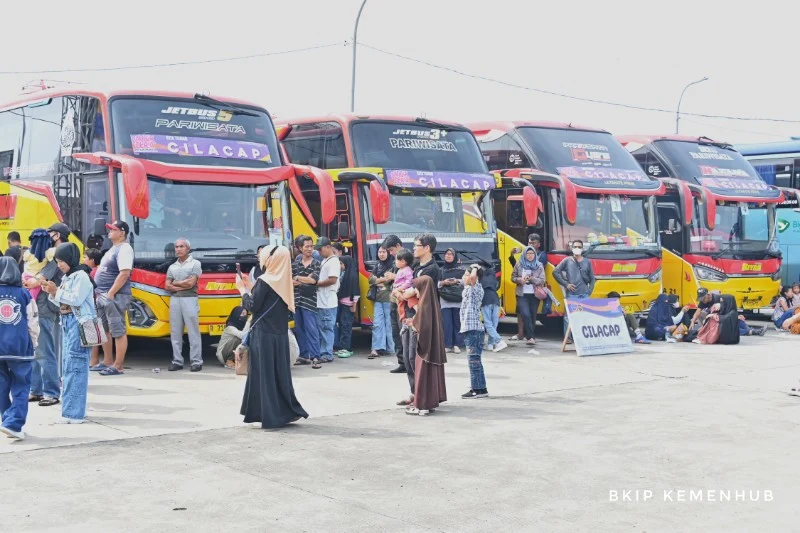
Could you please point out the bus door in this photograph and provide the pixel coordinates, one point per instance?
(672, 234)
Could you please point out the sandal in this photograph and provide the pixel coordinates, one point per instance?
(111, 371)
(35, 397)
(301, 361)
(315, 364)
(412, 410)
(373, 355)
(47, 402)
(405, 402)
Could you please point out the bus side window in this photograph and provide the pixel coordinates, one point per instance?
(319, 144)
(503, 153)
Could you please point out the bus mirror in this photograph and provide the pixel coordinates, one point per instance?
(99, 227)
(379, 201)
(134, 177)
(531, 203)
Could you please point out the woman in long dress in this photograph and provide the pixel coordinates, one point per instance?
(429, 385)
(268, 394)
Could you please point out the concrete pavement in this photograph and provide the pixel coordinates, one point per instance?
(544, 453)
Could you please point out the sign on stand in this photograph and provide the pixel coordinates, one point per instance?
(597, 326)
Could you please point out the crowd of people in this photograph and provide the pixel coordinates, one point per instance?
(55, 303)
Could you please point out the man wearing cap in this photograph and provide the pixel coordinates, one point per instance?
(327, 299)
(112, 295)
(46, 379)
(184, 307)
(705, 300)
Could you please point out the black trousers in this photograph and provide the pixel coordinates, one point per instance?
(398, 344)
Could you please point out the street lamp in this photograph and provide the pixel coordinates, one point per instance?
(355, 43)
(678, 113)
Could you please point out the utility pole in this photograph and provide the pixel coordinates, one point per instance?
(678, 113)
(355, 49)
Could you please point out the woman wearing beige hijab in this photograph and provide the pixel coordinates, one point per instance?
(268, 394)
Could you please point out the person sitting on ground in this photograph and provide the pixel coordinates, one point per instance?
(661, 323)
(783, 307)
(705, 300)
(725, 312)
(747, 331)
(796, 294)
(231, 336)
(632, 322)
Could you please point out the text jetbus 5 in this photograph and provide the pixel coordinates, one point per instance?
(171, 165)
(590, 188)
(717, 222)
(401, 176)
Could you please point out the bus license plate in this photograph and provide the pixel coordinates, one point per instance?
(216, 329)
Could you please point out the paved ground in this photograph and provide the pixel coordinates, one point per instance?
(168, 451)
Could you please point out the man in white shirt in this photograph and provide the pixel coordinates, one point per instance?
(327, 300)
(184, 306)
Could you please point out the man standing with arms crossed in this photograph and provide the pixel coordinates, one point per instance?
(305, 274)
(184, 307)
(113, 294)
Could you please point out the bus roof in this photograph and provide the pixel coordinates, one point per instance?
(776, 148)
(482, 128)
(648, 139)
(347, 118)
(104, 95)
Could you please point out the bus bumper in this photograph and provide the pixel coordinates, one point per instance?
(148, 314)
(750, 292)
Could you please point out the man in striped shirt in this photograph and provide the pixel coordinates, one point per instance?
(305, 275)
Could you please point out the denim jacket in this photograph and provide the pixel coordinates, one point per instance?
(76, 291)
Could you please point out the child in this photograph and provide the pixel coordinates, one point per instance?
(36, 257)
(472, 329)
(796, 294)
(91, 258)
(491, 312)
(632, 322)
(19, 335)
(403, 281)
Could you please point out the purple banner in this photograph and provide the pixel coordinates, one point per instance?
(418, 179)
(603, 174)
(199, 147)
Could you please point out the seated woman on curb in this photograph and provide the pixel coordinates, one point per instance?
(660, 321)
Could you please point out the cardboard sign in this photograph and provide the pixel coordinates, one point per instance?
(598, 326)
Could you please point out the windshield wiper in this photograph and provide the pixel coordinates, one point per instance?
(474, 256)
(434, 124)
(219, 105)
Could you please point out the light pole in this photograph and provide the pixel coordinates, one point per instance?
(678, 113)
(355, 46)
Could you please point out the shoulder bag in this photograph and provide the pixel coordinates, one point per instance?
(91, 331)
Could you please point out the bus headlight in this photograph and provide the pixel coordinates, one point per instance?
(708, 274)
(655, 277)
(140, 315)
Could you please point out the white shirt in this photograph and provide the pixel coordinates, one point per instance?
(326, 296)
(527, 288)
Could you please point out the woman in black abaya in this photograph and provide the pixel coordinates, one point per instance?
(268, 394)
(728, 320)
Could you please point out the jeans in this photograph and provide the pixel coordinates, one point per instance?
(15, 386)
(491, 318)
(382, 338)
(344, 328)
(409, 342)
(779, 321)
(528, 307)
(398, 342)
(474, 341)
(571, 297)
(45, 380)
(75, 363)
(327, 328)
(306, 331)
(185, 311)
(452, 327)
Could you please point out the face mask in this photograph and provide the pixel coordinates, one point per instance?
(577, 251)
(676, 305)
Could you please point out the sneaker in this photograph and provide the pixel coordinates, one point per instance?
(761, 331)
(11, 434)
(671, 339)
(489, 347)
(514, 338)
(197, 368)
(640, 339)
(174, 366)
(456, 349)
(696, 341)
(502, 345)
(65, 420)
(483, 393)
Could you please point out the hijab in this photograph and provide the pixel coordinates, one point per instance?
(381, 267)
(276, 263)
(428, 323)
(661, 313)
(348, 286)
(69, 253)
(40, 243)
(530, 265)
(452, 269)
(9, 272)
(15, 253)
(728, 320)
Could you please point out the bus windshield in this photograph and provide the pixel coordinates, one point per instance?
(740, 227)
(606, 223)
(557, 149)
(710, 165)
(414, 146)
(418, 212)
(222, 222)
(192, 132)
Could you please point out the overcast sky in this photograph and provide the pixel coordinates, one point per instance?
(634, 52)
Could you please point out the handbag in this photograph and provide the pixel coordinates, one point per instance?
(451, 293)
(90, 331)
(372, 293)
(241, 360)
(539, 292)
(709, 333)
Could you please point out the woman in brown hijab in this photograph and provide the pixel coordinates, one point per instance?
(429, 386)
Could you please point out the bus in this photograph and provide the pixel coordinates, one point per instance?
(590, 189)
(398, 175)
(170, 165)
(778, 164)
(717, 225)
